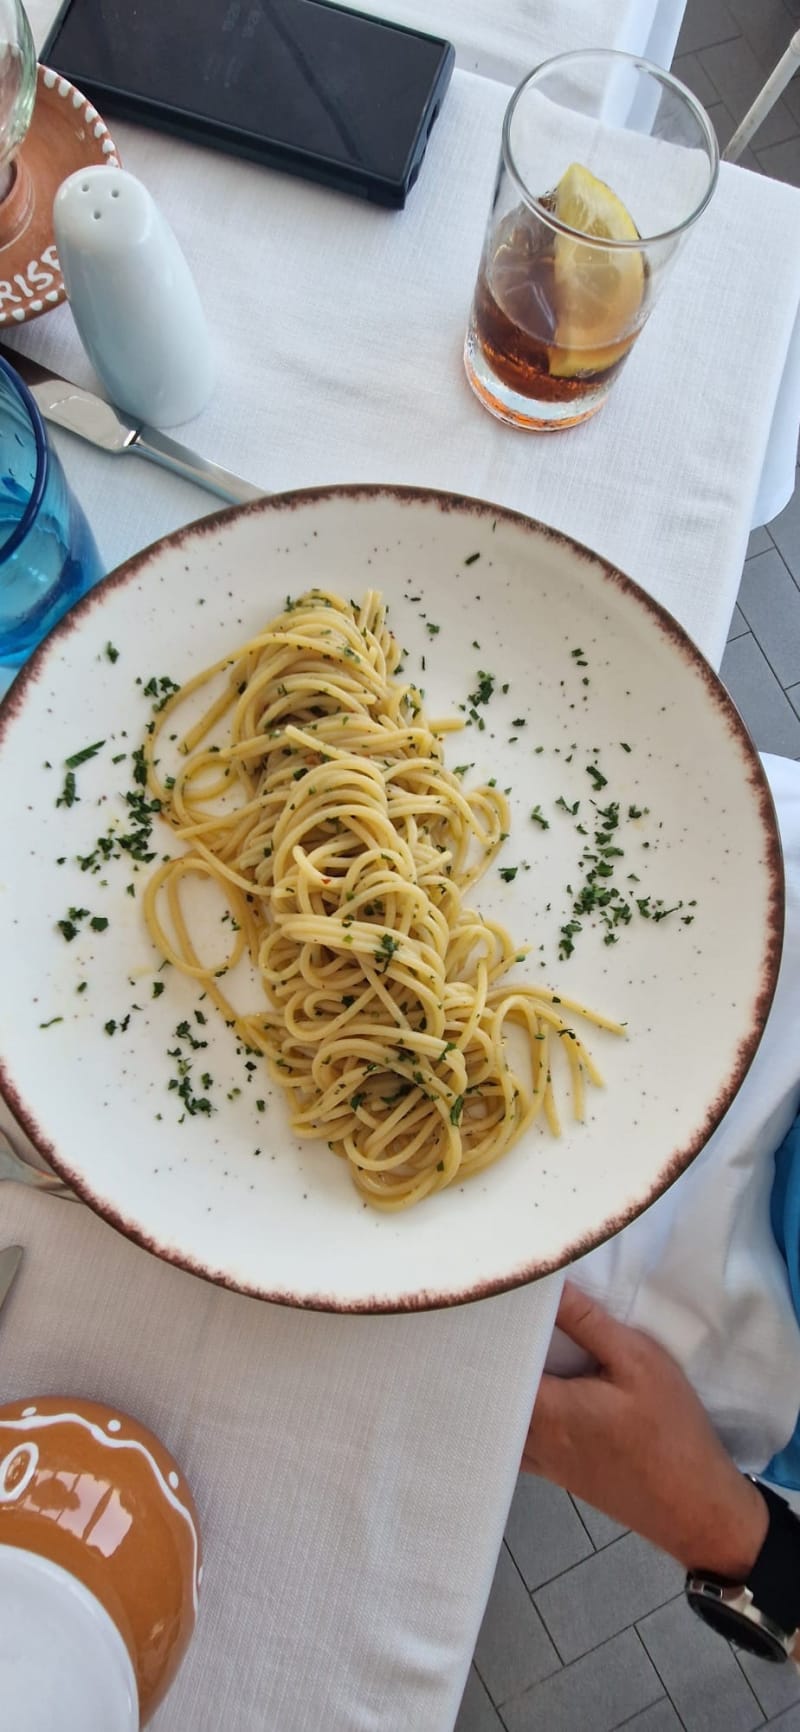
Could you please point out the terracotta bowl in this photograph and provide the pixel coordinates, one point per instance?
(93, 1491)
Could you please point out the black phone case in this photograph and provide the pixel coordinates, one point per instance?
(292, 159)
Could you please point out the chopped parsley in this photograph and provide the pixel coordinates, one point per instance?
(483, 689)
(83, 756)
(69, 792)
(386, 948)
(111, 653)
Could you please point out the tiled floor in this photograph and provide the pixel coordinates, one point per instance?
(586, 1629)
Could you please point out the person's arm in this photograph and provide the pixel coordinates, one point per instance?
(634, 1440)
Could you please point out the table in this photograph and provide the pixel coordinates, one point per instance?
(353, 1475)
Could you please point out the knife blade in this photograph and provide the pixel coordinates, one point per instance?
(101, 424)
(10, 1260)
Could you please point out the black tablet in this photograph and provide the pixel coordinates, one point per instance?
(302, 85)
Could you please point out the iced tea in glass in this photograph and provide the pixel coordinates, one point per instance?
(606, 162)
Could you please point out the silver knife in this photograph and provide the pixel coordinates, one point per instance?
(79, 411)
(10, 1260)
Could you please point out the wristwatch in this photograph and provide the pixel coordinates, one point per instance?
(761, 1615)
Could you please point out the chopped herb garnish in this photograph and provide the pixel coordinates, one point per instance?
(599, 780)
(456, 1110)
(50, 1023)
(83, 756)
(98, 923)
(385, 951)
(508, 873)
(158, 988)
(111, 652)
(69, 792)
(538, 818)
(483, 689)
(471, 558)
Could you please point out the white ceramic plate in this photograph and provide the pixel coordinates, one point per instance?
(235, 1196)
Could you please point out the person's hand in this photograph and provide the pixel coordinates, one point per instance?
(634, 1440)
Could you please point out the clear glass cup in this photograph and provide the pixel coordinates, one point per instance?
(17, 84)
(48, 555)
(592, 140)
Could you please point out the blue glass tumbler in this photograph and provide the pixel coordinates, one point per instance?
(48, 555)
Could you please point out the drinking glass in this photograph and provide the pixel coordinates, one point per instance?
(606, 161)
(17, 85)
(48, 555)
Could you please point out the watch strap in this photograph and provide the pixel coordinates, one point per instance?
(774, 1580)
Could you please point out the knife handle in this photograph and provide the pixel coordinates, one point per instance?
(151, 443)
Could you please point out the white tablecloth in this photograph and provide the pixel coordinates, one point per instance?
(505, 39)
(353, 1476)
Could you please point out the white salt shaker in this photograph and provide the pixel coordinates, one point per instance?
(133, 297)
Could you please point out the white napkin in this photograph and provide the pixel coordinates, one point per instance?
(700, 1270)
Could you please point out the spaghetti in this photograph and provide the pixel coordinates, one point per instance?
(343, 846)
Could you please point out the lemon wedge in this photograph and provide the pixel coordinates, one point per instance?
(598, 290)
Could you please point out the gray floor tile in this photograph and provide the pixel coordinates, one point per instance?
(789, 1722)
(601, 1528)
(780, 161)
(544, 1533)
(722, 121)
(597, 1694)
(737, 77)
(605, 1593)
(766, 25)
(767, 712)
(770, 601)
(785, 532)
(793, 694)
(660, 1718)
(513, 1649)
(707, 1687)
(477, 1712)
(760, 542)
(687, 68)
(775, 1687)
(738, 625)
(704, 22)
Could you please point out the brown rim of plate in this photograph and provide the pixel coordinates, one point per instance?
(423, 1300)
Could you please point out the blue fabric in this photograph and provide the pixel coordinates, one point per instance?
(784, 1468)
